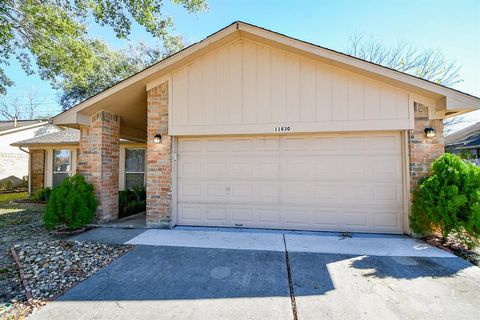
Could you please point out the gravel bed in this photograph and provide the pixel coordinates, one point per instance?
(51, 265)
(456, 247)
(54, 266)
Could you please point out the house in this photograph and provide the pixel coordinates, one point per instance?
(465, 142)
(55, 156)
(252, 128)
(14, 161)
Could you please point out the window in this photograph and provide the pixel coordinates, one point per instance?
(134, 168)
(61, 166)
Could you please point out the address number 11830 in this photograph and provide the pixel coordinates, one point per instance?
(281, 129)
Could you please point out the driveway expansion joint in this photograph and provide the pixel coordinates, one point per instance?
(290, 281)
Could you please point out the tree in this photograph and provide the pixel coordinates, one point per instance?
(429, 64)
(26, 109)
(112, 66)
(54, 33)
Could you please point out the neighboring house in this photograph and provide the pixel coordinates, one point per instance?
(465, 142)
(251, 128)
(14, 161)
(55, 156)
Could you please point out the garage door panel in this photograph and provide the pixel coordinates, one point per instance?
(269, 168)
(296, 168)
(326, 219)
(242, 169)
(385, 143)
(217, 215)
(190, 168)
(242, 215)
(216, 145)
(216, 168)
(386, 220)
(356, 218)
(386, 168)
(190, 146)
(191, 214)
(270, 217)
(242, 191)
(334, 182)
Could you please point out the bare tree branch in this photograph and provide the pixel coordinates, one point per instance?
(21, 109)
(429, 64)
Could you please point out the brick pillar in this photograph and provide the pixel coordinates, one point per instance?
(423, 151)
(99, 161)
(37, 169)
(159, 165)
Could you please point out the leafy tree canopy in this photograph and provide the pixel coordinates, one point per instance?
(54, 34)
(111, 66)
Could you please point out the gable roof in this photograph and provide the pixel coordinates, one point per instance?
(9, 126)
(463, 135)
(131, 91)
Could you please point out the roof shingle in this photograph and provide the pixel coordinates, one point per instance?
(67, 136)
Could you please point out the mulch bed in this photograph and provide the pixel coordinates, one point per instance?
(452, 245)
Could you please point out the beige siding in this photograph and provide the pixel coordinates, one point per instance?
(248, 87)
(339, 182)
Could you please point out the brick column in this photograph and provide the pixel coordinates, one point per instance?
(37, 169)
(98, 161)
(159, 166)
(423, 151)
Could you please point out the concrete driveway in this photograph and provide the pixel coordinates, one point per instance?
(212, 274)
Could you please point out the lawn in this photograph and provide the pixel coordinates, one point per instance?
(5, 197)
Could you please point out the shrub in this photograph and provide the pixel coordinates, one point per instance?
(131, 201)
(42, 194)
(24, 184)
(72, 204)
(448, 200)
(9, 185)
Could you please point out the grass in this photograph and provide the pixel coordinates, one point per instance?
(5, 197)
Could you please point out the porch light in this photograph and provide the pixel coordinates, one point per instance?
(157, 139)
(430, 132)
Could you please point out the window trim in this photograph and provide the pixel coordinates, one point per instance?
(68, 172)
(125, 172)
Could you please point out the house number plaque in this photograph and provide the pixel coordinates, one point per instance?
(281, 129)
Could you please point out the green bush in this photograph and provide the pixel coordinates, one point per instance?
(24, 184)
(9, 185)
(72, 204)
(131, 201)
(42, 194)
(448, 200)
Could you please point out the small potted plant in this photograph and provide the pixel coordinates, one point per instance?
(71, 206)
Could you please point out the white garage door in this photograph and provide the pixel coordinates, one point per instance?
(331, 182)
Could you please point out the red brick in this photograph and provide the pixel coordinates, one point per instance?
(99, 161)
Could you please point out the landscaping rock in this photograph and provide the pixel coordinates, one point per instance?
(51, 265)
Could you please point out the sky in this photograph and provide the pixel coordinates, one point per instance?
(451, 26)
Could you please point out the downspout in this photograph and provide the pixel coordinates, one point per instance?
(29, 170)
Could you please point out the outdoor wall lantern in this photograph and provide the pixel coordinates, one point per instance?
(157, 138)
(430, 132)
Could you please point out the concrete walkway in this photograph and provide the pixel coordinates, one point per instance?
(274, 240)
(220, 274)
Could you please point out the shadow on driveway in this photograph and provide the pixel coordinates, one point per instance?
(172, 273)
(205, 283)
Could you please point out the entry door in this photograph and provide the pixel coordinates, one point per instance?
(328, 182)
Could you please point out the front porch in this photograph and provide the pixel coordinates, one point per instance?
(135, 221)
